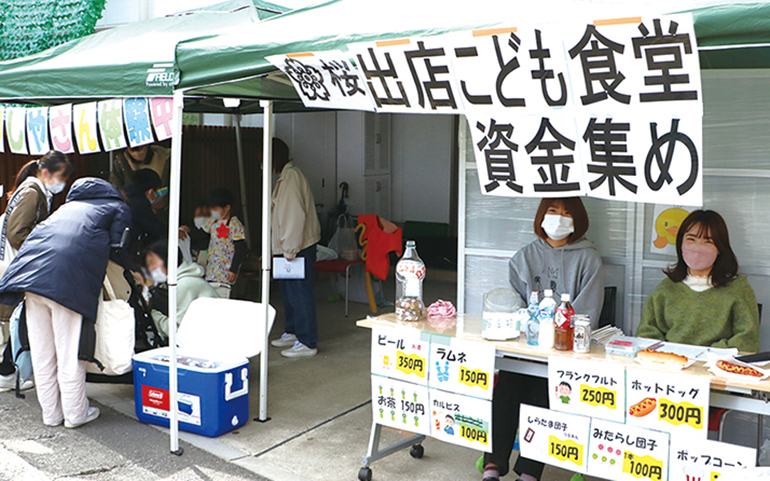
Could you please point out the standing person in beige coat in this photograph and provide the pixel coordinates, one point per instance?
(296, 231)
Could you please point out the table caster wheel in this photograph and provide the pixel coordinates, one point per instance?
(417, 451)
(365, 474)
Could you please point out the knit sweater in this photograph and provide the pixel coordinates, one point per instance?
(725, 316)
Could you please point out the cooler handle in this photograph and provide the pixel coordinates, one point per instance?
(229, 394)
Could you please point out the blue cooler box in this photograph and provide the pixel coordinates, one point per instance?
(213, 395)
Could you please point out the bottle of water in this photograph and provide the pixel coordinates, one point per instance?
(533, 324)
(545, 316)
(410, 272)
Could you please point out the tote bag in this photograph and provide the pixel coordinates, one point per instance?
(115, 334)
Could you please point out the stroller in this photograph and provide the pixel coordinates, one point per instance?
(147, 336)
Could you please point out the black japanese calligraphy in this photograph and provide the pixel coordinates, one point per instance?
(506, 68)
(383, 74)
(551, 179)
(664, 164)
(432, 86)
(607, 141)
(541, 53)
(343, 77)
(599, 65)
(664, 53)
(499, 158)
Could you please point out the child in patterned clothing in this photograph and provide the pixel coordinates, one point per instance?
(227, 247)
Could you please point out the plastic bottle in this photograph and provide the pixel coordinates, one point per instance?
(533, 325)
(545, 317)
(410, 272)
(562, 320)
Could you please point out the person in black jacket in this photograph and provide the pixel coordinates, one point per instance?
(60, 270)
(146, 227)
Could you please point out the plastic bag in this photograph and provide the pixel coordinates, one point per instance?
(343, 241)
(323, 253)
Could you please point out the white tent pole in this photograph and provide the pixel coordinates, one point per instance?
(267, 198)
(242, 174)
(172, 267)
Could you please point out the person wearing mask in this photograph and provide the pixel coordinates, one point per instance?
(227, 247)
(295, 233)
(59, 272)
(146, 228)
(704, 279)
(127, 162)
(29, 203)
(190, 284)
(563, 260)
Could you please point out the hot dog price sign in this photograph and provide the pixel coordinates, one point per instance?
(674, 402)
(588, 388)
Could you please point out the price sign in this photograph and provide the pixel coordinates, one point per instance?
(400, 405)
(554, 438)
(401, 354)
(461, 420)
(674, 402)
(463, 367)
(703, 460)
(588, 388)
(627, 453)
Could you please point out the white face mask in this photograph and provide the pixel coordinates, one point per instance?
(557, 227)
(216, 214)
(158, 276)
(57, 187)
(200, 221)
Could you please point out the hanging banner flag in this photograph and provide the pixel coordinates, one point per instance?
(136, 112)
(84, 118)
(589, 388)
(326, 80)
(409, 75)
(37, 130)
(16, 129)
(627, 453)
(60, 125)
(703, 460)
(162, 115)
(554, 438)
(111, 124)
(2, 130)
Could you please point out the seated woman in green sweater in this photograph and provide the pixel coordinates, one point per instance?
(703, 301)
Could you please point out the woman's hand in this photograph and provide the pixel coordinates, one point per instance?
(231, 276)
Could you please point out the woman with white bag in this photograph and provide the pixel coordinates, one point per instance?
(60, 270)
(29, 203)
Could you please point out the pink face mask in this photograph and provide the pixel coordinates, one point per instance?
(699, 257)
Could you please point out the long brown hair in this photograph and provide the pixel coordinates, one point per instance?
(576, 209)
(54, 162)
(711, 225)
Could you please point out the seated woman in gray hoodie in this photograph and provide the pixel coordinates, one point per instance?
(562, 260)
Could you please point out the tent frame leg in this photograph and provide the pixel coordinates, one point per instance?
(267, 170)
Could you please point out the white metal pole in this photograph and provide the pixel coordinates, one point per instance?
(267, 198)
(172, 267)
(242, 175)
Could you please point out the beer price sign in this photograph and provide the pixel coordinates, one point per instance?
(463, 367)
(673, 402)
(554, 438)
(401, 354)
(588, 388)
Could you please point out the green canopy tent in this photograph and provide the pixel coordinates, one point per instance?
(135, 60)
(235, 65)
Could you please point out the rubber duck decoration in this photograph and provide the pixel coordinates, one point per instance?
(667, 226)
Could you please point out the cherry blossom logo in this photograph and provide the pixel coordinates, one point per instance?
(309, 79)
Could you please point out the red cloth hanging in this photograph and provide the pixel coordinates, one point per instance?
(379, 244)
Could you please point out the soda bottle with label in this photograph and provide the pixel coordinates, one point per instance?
(533, 324)
(545, 316)
(562, 320)
(410, 272)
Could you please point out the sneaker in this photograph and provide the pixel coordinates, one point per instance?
(286, 340)
(299, 350)
(93, 413)
(53, 425)
(8, 383)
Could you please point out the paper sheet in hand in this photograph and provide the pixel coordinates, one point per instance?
(284, 268)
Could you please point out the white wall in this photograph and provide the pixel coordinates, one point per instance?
(422, 167)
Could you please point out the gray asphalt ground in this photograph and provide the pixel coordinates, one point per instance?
(114, 447)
